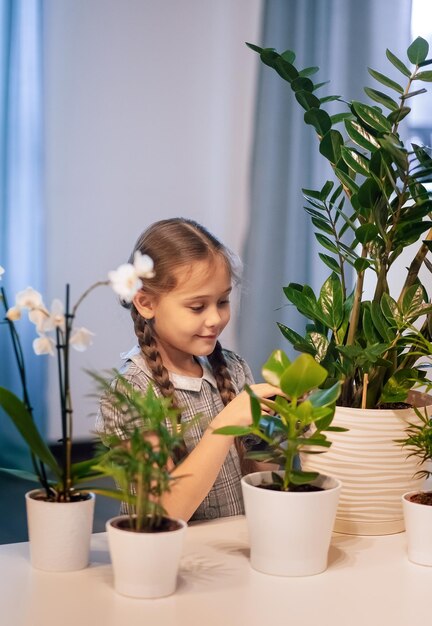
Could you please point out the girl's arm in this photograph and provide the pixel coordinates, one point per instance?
(199, 470)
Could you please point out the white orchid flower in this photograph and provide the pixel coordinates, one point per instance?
(29, 299)
(125, 281)
(2, 271)
(13, 314)
(44, 345)
(143, 265)
(57, 317)
(81, 339)
(40, 318)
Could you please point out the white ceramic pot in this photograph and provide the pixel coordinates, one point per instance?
(418, 522)
(59, 532)
(374, 470)
(145, 564)
(289, 532)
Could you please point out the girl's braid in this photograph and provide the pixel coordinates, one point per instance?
(227, 392)
(159, 372)
(151, 354)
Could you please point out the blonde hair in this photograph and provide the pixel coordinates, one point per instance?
(175, 243)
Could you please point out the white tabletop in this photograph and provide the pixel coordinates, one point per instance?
(369, 582)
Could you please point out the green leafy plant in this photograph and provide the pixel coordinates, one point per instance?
(300, 418)
(378, 207)
(141, 440)
(419, 442)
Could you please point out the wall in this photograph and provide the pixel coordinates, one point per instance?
(149, 108)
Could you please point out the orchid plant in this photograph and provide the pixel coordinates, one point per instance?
(58, 480)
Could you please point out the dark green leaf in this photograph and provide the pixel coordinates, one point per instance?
(299, 343)
(284, 69)
(319, 85)
(254, 47)
(390, 309)
(384, 80)
(288, 56)
(341, 117)
(382, 98)
(361, 136)
(397, 116)
(302, 84)
(23, 421)
(330, 262)
(322, 224)
(330, 146)
(330, 301)
(346, 180)
(308, 71)
(329, 99)
(369, 193)
(418, 50)
(398, 63)
(425, 76)
(356, 161)
(319, 119)
(307, 100)
(326, 243)
(380, 322)
(371, 117)
(366, 233)
(361, 264)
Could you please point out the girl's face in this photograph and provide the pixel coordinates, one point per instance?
(188, 319)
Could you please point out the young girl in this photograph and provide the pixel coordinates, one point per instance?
(178, 316)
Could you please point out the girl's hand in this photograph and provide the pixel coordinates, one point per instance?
(238, 411)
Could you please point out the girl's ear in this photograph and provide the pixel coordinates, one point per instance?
(144, 303)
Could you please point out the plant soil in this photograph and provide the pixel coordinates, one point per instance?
(422, 497)
(166, 525)
(76, 496)
(394, 406)
(292, 488)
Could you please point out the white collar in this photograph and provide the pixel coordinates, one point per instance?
(186, 383)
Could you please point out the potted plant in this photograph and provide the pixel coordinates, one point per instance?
(377, 208)
(145, 545)
(417, 505)
(61, 507)
(290, 512)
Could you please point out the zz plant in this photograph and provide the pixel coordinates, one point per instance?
(298, 420)
(376, 205)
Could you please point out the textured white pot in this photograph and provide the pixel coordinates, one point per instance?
(145, 564)
(374, 470)
(59, 533)
(289, 532)
(418, 522)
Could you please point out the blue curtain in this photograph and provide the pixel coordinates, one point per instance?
(21, 214)
(343, 38)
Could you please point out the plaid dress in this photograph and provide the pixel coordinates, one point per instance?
(195, 396)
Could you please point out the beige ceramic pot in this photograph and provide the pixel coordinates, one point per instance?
(374, 470)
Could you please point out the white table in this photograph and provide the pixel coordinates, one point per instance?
(369, 582)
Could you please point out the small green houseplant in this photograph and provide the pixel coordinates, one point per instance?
(287, 537)
(378, 206)
(145, 544)
(144, 437)
(298, 420)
